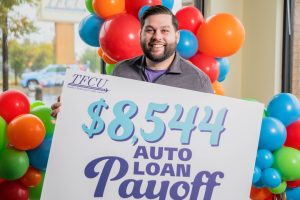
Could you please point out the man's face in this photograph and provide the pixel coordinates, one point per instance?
(159, 38)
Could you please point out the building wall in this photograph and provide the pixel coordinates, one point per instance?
(296, 50)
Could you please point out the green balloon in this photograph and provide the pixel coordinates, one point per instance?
(13, 163)
(36, 104)
(109, 68)
(35, 192)
(279, 189)
(3, 138)
(44, 113)
(287, 162)
(89, 6)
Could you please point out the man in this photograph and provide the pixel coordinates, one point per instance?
(160, 63)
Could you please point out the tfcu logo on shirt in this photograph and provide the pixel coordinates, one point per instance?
(91, 83)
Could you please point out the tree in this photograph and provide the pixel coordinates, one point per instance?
(16, 25)
(91, 58)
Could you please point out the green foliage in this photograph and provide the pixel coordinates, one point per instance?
(90, 56)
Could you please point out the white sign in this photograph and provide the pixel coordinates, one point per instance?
(118, 138)
(62, 10)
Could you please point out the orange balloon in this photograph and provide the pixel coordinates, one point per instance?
(31, 178)
(108, 8)
(100, 52)
(107, 59)
(218, 88)
(221, 35)
(26, 132)
(260, 193)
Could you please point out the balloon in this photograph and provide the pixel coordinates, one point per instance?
(109, 68)
(107, 59)
(189, 18)
(264, 159)
(285, 107)
(26, 132)
(207, 64)
(287, 162)
(187, 45)
(272, 134)
(44, 114)
(89, 6)
(218, 88)
(118, 31)
(35, 192)
(13, 163)
(279, 189)
(256, 174)
(31, 178)
(260, 193)
(89, 29)
(36, 104)
(223, 68)
(293, 194)
(133, 6)
(3, 138)
(2, 180)
(13, 190)
(108, 8)
(293, 135)
(38, 157)
(13, 103)
(100, 52)
(293, 184)
(221, 35)
(271, 178)
(142, 10)
(168, 3)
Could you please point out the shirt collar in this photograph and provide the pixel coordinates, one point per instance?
(174, 68)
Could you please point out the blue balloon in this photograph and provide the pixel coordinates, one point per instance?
(38, 157)
(285, 107)
(272, 134)
(142, 10)
(188, 44)
(271, 177)
(89, 29)
(293, 193)
(223, 68)
(264, 159)
(259, 184)
(256, 174)
(168, 3)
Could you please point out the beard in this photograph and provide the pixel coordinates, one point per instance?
(169, 50)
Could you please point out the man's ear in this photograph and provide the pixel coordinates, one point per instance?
(177, 35)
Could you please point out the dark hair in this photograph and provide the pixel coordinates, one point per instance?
(156, 10)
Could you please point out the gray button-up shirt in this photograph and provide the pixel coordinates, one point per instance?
(181, 73)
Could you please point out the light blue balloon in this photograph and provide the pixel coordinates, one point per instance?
(168, 3)
(259, 184)
(187, 45)
(142, 10)
(264, 159)
(285, 107)
(272, 134)
(271, 178)
(223, 68)
(38, 157)
(293, 193)
(256, 174)
(89, 29)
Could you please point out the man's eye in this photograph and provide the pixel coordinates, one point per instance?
(149, 30)
(165, 31)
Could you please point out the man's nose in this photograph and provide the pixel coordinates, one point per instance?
(157, 35)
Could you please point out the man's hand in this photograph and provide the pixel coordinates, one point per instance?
(56, 107)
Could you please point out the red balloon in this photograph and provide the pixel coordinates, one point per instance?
(13, 190)
(31, 178)
(2, 180)
(189, 18)
(13, 103)
(293, 135)
(260, 193)
(120, 37)
(133, 6)
(207, 64)
(293, 184)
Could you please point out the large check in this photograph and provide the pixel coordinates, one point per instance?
(118, 138)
